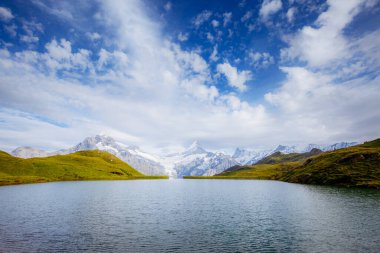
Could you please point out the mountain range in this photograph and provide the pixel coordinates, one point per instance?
(193, 161)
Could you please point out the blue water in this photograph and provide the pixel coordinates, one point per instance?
(188, 216)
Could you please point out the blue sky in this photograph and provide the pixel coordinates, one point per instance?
(160, 74)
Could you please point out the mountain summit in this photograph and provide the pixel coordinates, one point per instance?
(194, 149)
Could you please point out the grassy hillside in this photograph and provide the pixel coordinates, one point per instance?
(82, 165)
(279, 157)
(354, 166)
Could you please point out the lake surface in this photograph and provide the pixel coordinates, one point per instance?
(188, 216)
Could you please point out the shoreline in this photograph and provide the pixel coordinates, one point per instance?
(46, 180)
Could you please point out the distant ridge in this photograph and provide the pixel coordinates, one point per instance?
(194, 160)
(355, 166)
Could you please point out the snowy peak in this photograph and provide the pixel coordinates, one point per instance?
(194, 149)
(193, 145)
(339, 145)
(310, 147)
(239, 152)
(95, 142)
(285, 149)
(28, 152)
(243, 156)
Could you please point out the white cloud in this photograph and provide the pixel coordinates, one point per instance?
(268, 8)
(332, 95)
(183, 36)
(324, 43)
(227, 16)
(93, 36)
(246, 16)
(242, 3)
(237, 79)
(215, 23)
(159, 87)
(290, 14)
(61, 9)
(29, 39)
(201, 18)
(11, 29)
(168, 6)
(160, 91)
(5, 14)
(260, 60)
(31, 28)
(214, 54)
(334, 110)
(210, 37)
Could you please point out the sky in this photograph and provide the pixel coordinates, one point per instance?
(161, 74)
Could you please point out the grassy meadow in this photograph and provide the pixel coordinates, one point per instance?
(82, 165)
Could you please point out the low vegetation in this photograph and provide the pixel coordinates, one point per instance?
(82, 165)
(357, 166)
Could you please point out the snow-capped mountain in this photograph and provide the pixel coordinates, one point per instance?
(242, 155)
(196, 161)
(138, 159)
(258, 156)
(246, 156)
(339, 146)
(285, 149)
(28, 152)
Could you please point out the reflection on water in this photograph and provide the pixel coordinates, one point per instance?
(188, 216)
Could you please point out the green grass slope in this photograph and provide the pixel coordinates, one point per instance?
(354, 166)
(82, 165)
(279, 157)
(357, 166)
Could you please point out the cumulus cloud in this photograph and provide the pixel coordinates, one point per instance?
(290, 14)
(5, 14)
(314, 97)
(201, 18)
(215, 23)
(246, 16)
(260, 60)
(93, 36)
(158, 86)
(324, 42)
(210, 37)
(331, 94)
(268, 8)
(11, 29)
(227, 16)
(142, 88)
(183, 36)
(214, 54)
(236, 79)
(31, 29)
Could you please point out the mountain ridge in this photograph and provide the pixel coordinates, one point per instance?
(355, 166)
(194, 160)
